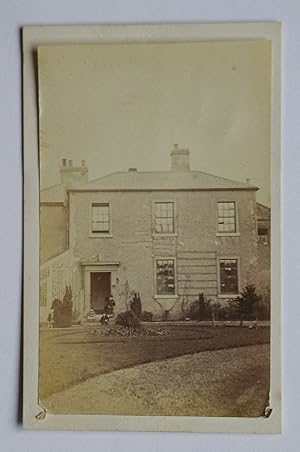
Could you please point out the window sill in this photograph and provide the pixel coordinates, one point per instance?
(95, 235)
(157, 297)
(228, 234)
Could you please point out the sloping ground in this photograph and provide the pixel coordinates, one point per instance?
(232, 382)
(68, 357)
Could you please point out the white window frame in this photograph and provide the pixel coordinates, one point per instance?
(229, 295)
(237, 226)
(100, 234)
(167, 296)
(164, 234)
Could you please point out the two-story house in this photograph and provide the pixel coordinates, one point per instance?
(170, 235)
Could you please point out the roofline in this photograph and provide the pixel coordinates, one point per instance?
(263, 205)
(50, 187)
(78, 189)
(101, 178)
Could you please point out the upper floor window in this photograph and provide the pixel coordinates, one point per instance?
(100, 218)
(164, 217)
(226, 217)
(229, 276)
(165, 277)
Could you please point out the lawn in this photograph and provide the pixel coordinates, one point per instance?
(68, 357)
(231, 382)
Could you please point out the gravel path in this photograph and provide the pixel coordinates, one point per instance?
(232, 382)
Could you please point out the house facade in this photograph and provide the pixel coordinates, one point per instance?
(167, 235)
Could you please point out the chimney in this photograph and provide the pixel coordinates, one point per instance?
(72, 176)
(132, 170)
(180, 159)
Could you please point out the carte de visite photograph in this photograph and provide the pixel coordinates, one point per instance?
(155, 208)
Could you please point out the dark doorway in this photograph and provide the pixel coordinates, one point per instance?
(100, 288)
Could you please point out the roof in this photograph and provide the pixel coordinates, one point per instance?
(56, 193)
(162, 180)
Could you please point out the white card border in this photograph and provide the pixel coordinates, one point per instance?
(49, 35)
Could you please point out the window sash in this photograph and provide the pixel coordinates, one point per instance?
(228, 276)
(164, 217)
(226, 217)
(100, 218)
(165, 277)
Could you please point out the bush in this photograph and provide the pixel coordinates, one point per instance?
(136, 305)
(128, 319)
(198, 309)
(194, 310)
(63, 310)
(57, 306)
(248, 303)
(146, 316)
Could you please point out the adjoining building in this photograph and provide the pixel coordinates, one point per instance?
(168, 235)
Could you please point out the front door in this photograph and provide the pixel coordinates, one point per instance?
(100, 289)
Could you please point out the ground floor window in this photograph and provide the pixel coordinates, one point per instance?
(165, 277)
(229, 276)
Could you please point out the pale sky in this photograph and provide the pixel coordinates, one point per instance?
(125, 105)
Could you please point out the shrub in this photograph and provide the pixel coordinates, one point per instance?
(128, 319)
(146, 316)
(198, 309)
(57, 306)
(67, 307)
(194, 310)
(136, 305)
(63, 310)
(248, 303)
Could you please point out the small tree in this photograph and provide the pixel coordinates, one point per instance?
(248, 303)
(67, 306)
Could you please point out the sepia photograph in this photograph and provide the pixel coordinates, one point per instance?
(155, 208)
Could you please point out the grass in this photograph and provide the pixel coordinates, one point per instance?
(68, 357)
(231, 382)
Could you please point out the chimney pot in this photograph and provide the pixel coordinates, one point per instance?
(83, 163)
(64, 162)
(70, 163)
(132, 170)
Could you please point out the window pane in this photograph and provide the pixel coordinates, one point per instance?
(165, 282)
(100, 217)
(226, 217)
(164, 217)
(229, 276)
